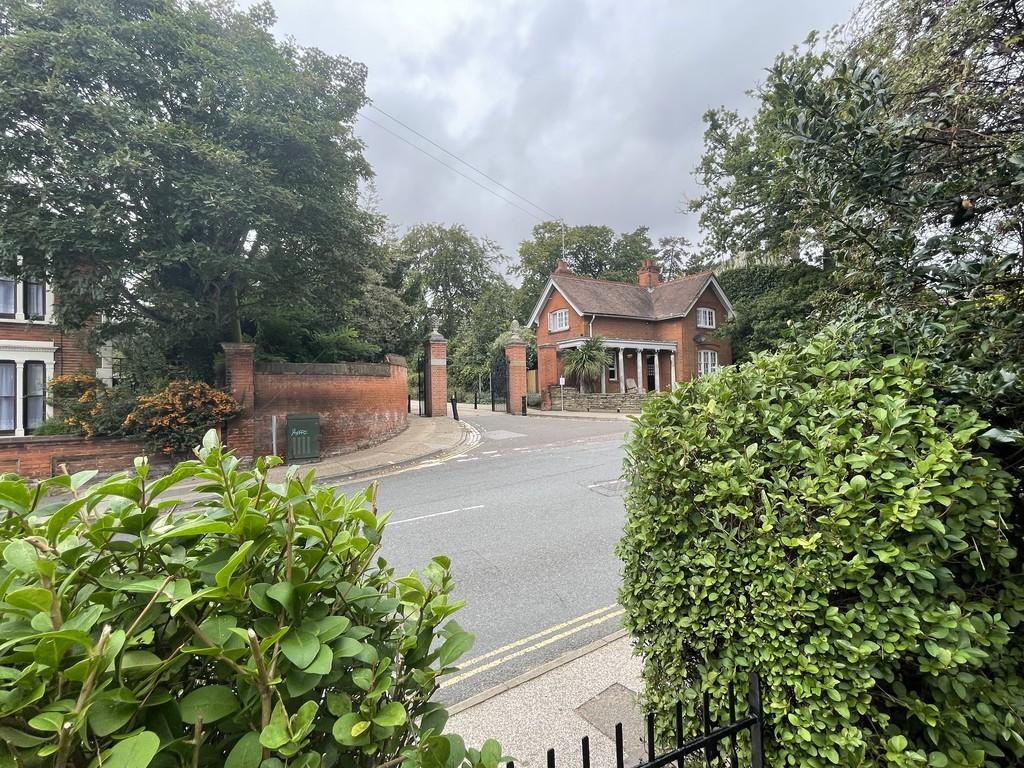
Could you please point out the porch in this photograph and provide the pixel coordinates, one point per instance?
(638, 367)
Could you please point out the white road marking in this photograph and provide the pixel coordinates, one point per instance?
(603, 483)
(435, 514)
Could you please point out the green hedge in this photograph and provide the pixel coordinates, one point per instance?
(825, 521)
(254, 626)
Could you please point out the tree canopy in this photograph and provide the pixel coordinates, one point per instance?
(174, 169)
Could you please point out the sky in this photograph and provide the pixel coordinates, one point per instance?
(592, 109)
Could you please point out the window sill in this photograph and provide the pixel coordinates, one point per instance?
(26, 320)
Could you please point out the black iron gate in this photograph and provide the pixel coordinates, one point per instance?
(499, 382)
(424, 365)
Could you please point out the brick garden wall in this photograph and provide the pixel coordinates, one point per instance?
(359, 404)
(42, 456)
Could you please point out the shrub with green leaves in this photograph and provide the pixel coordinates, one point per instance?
(824, 520)
(254, 624)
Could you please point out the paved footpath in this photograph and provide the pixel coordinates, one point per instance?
(424, 442)
(583, 693)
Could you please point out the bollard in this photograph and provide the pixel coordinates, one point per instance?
(476, 395)
(455, 409)
(410, 403)
(524, 405)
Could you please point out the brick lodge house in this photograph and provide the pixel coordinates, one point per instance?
(657, 332)
(33, 350)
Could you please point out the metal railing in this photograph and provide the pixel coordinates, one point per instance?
(718, 742)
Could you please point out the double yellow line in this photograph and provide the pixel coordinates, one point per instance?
(535, 642)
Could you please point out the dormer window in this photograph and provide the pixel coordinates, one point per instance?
(705, 317)
(558, 320)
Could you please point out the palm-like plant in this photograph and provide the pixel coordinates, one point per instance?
(587, 362)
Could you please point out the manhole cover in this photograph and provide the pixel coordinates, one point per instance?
(608, 487)
(502, 434)
(617, 704)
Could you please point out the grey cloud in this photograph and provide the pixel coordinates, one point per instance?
(591, 108)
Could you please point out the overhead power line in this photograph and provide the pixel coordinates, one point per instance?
(454, 169)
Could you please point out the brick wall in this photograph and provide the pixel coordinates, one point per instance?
(515, 353)
(686, 360)
(548, 364)
(359, 404)
(435, 388)
(40, 457)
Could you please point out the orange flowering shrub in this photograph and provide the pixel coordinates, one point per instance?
(175, 419)
(89, 406)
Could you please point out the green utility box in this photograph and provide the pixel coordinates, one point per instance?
(303, 437)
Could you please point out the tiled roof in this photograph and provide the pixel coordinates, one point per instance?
(603, 297)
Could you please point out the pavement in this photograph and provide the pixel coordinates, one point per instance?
(583, 693)
(425, 441)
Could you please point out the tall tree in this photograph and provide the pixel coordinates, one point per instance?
(450, 268)
(589, 250)
(677, 256)
(630, 250)
(168, 166)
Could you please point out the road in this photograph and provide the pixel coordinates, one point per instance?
(530, 518)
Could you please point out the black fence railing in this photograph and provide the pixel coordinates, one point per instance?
(716, 746)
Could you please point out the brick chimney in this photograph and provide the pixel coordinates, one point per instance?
(561, 268)
(648, 274)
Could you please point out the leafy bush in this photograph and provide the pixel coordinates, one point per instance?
(825, 520)
(89, 406)
(257, 627)
(175, 418)
(56, 426)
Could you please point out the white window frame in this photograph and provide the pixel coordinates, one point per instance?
(707, 362)
(558, 320)
(706, 317)
(19, 353)
(19, 304)
(613, 368)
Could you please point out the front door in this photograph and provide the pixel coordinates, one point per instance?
(652, 360)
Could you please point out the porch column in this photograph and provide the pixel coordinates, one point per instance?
(604, 379)
(640, 370)
(657, 371)
(672, 373)
(622, 373)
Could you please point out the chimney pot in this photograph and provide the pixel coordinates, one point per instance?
(648, 274)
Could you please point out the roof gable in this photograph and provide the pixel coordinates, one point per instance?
(589, 296)
(545, 294)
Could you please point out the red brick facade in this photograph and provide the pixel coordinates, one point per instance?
(515, 353)
(359, 404)
(33, 351)
(435, 351)
(667, 322)
(39, 457)
(240, 434)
